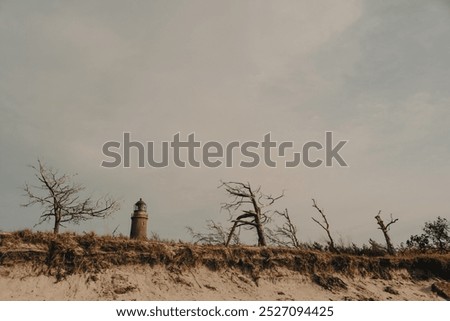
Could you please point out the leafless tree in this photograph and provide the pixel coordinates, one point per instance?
(216, 234)
(385, 229)
(324, 225)
(285, 235)
(253, 206)
(61, 199)
(375, 246)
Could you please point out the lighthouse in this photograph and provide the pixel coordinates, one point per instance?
(139, 220)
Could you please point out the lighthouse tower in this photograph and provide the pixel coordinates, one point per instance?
(139, 220)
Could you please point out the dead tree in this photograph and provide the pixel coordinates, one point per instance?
(62, 200)
(385, 228)
(285, 235)
(253, 206)
(216, 234)
(324, 225)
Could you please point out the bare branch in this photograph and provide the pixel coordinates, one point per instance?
(60, 198)
(285, 235)
(324, 225)
(385, 229)
(216, 236)
(251, 202)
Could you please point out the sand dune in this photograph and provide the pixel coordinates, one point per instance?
(158, 283)
(39, 266)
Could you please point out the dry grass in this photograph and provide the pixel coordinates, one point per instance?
(67, 253)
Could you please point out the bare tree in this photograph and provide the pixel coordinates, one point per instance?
(285, 235)
(216, 234)
(385, 229)
(62, 200)
(324, 225)
(254, 206)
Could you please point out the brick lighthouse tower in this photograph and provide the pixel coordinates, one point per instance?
(139, 220)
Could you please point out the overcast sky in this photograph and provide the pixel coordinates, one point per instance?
(75, 74)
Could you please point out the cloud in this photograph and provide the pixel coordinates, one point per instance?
(77, 75)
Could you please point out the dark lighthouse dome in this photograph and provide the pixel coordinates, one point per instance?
(140, 206)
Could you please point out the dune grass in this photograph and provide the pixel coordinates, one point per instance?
(68, 253)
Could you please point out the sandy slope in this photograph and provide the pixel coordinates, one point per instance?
(158, 283)
(44, 266)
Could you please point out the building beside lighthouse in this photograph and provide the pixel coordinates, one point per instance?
(139, 220)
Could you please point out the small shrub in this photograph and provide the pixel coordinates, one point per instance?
(436, 236)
